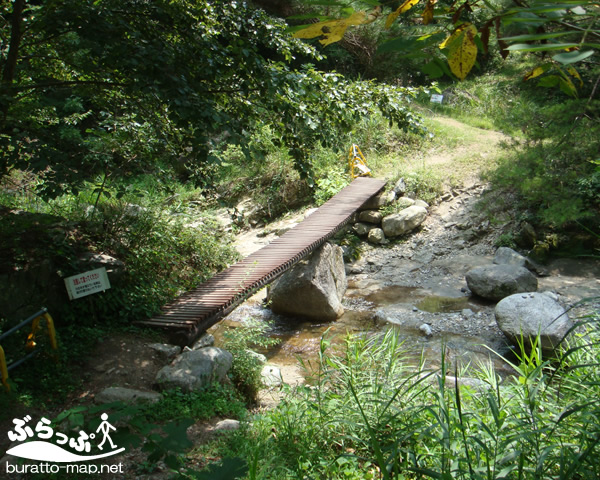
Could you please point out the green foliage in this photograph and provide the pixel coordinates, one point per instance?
(553, 175)
(98, 100)
(245, 372)
(328, 186)
(450, 39)
(214, 401)
(164, 254)
(424, 182)
(271, 182)
(227, 469)
(352, 246)
(368, 414)
(506, 240)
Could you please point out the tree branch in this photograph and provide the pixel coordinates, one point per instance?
(66, 83)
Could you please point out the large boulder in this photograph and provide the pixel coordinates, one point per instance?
(495, 282)
(196, 369)
(314, 288)
(404, 221)
(525, 315)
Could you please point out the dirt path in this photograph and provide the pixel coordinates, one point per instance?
(469, 152)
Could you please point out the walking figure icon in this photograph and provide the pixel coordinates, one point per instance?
(105, 428)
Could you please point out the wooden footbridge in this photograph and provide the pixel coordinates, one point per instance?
(197, 310)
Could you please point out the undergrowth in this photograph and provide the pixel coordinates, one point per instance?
(365, 413)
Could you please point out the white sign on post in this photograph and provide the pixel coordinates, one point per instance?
(435, 98)
(87, 283)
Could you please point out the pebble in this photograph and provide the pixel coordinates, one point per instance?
(426, 330)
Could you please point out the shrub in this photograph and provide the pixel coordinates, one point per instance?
(245, 372)
(368, 414)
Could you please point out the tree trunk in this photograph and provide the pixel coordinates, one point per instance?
(8, 73)
(10, 66)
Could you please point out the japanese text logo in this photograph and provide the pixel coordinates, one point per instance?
(44, 444)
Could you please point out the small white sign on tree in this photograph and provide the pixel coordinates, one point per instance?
(87, 283)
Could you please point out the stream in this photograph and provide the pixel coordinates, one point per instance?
(417, 286)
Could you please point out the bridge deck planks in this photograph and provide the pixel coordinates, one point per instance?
(197, 310)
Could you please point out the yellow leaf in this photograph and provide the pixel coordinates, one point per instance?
(463, 51)
(428, 12)
(567, 86)
(406, 6)
(332, 30)
(575, 73)
(536, 72)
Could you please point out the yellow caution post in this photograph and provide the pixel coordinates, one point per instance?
(357, 162)
(30, 343)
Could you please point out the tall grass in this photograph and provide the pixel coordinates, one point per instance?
(365, 413)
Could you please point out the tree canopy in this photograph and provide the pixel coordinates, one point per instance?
(114, 87)
(450, 38)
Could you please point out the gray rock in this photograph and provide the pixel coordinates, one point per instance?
(526, 236)
(126, 395)
(400, 187)
(206, 340)
(227, 424)
(421, 203)
(314, 288)
(507, 256)
(259, 356)
(114, 267)
(133, 210)
(381, 200)
(165, 351)
(426, 330)
(495, 282)
(403, 221)
(271, 376)
(376, 236)
(196, 369)
(452, 382)
(404, 202)
(530, 314)
(370, 216)
(362, 229)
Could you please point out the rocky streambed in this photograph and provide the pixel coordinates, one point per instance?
(416, 284)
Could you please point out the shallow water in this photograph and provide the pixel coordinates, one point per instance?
(300, 339)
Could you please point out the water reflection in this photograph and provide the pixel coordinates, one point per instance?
(300, 339)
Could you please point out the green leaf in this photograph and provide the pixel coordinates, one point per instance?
(524, 47)
(432, 70)
(567, 87)
(535, 36)
(411, 43)
(572, 57)
(549, 81)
